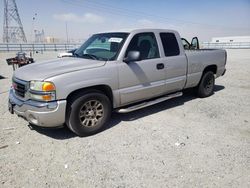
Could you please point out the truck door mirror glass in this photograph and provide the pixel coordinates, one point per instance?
(132, 56)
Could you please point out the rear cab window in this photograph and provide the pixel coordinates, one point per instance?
(170, 44)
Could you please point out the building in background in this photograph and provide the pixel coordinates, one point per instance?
(52, 40)
(233, 42)
(232, 39)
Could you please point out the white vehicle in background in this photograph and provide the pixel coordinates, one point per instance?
(69, 53)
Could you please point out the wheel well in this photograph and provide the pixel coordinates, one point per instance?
(102, 88)
(212, 68)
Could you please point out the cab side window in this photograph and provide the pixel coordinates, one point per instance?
(170, 44)
(146, 44)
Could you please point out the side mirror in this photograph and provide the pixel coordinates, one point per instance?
(132, 56)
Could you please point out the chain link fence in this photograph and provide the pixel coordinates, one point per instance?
(228, 45)
(4, 47)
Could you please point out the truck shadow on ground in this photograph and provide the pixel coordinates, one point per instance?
(188, 95)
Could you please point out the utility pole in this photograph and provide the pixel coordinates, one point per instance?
(12, 26)
(67, 35)
(66, 29)
(32, 33)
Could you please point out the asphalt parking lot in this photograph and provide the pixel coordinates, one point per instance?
(183, 142)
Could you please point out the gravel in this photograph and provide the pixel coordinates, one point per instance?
(183, 142)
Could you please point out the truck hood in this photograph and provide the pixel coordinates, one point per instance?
(46, 69)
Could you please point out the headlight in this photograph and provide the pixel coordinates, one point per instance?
(42, 86)
(43, 91)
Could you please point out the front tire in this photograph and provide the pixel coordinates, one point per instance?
(87, 113)
(206, 85)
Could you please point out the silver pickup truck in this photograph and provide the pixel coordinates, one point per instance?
(115, 71)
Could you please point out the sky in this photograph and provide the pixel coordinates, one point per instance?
(202, 18)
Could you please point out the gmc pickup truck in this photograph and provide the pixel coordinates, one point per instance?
(114, 71)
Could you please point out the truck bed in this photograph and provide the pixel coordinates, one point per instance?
(198, 60)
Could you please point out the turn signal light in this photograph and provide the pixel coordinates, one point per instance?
(47, 97)
(47, 86)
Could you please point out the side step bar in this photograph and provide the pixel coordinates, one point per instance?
(149, 103)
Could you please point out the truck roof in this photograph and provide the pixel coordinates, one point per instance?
(138, 30)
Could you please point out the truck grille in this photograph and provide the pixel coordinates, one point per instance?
(19, 89)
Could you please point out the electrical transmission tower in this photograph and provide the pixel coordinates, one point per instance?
(39, 36)
(12, 27)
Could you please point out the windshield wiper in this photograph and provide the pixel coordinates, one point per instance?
(90, 56)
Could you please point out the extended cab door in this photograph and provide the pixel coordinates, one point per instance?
(145, 78)
(195, 44)
(175, 61)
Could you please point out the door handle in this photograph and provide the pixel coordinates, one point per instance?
(160, 66)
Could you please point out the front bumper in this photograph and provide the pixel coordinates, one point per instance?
(44, 114)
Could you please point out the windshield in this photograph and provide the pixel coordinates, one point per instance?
(103, 47)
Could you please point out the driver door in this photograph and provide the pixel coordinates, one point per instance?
(142, 79)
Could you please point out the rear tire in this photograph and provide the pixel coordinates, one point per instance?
(206, 85)
(88, 112)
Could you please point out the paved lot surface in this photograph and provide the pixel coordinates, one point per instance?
(184, 142)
